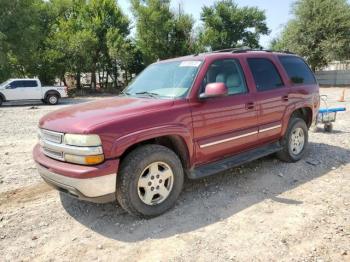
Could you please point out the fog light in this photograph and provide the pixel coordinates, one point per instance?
(84, 160)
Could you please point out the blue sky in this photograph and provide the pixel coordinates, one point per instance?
(278, 12)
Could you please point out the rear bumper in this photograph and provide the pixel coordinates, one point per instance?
(92, 183)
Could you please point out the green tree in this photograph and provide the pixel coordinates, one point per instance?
(20, 36)
(161, 33)
(227, 26)
(80, 36)
(103, 17)
(125, 56)
(319, 31)
(70, 42)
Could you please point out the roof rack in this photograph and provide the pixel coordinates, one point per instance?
(261, 50)
(238, 50)
(227, 50)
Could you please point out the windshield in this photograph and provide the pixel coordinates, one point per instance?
(171, 79)
(5, 83)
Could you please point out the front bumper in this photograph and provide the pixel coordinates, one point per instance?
(92, 183)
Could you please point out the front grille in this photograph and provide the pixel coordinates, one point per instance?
(53, 137)
(53, 145)
(53, 154)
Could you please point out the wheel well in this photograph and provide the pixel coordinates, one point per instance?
(52, 92)
(304, 113)
(173, 142)
(2, 97)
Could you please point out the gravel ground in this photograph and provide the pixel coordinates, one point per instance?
(265, 210)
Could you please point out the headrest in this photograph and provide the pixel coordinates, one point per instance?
(233, 80)
(220, 78)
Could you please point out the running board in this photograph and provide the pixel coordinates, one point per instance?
(230, 162)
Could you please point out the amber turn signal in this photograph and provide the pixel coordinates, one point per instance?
(84, 160)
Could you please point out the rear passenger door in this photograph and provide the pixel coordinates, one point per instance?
(272, 97)
(31, 90)
(302, 80)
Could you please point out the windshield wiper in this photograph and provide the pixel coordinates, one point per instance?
(147, 93)
(125, 93)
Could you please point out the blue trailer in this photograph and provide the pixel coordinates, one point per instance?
(327, 116)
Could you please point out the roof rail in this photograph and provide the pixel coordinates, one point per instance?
(261, 50)
(226, 50)
(238, 50)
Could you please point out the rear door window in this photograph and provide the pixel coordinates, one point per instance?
(30, 83)
(298, 71)
(265, 74)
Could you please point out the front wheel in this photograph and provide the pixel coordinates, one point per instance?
(294, 141)
(150, 181)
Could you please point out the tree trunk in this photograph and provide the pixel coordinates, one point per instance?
(78, 80)
(115, 84)
(106, 82)
(125, 78)
(64, 81)
(93, 77)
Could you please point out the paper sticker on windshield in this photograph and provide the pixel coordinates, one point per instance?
(190, 63)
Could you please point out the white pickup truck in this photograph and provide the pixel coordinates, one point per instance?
(30, 89)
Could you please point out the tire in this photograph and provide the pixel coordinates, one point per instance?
(1, 100)
(328, 127)
(52, 99)
(135, 172)
(295, 141)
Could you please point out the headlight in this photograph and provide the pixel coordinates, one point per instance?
(82, 140)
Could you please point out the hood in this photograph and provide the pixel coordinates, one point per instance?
(83, 117)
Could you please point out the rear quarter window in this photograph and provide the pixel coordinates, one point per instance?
(298, 71)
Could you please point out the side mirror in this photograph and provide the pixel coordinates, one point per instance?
(214, 90)
(8, 87)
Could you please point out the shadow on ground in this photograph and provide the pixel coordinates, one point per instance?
(207, 201)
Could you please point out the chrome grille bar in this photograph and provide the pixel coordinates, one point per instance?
(51, 136)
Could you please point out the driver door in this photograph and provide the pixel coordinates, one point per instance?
(224, 126)
(23, 90)
(12, 90)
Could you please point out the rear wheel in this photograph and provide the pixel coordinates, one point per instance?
(150, 181)
(52, 99)
(328, 127)
(1, 101)
(294, 141)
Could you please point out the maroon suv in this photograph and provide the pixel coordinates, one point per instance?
(196, 116)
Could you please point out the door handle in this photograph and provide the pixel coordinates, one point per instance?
(250, 105)
(285, 98)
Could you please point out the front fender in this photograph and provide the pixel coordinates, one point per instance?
(124, 142)
(2, 96)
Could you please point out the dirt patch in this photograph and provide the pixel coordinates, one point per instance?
(23, 194)
(265, 210)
